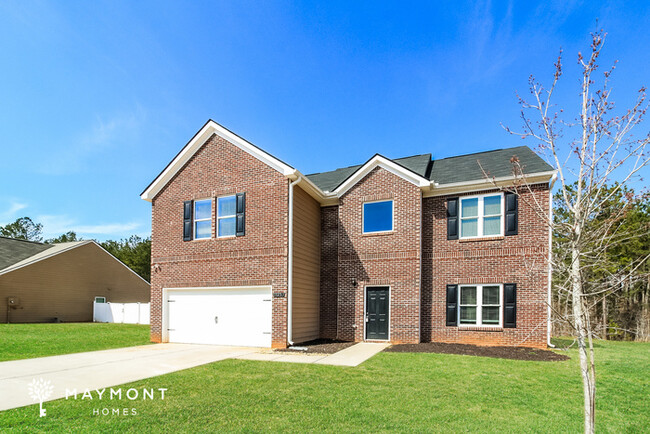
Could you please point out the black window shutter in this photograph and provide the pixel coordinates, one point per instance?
(241, 215)
(512, 219)
(187, 220)
(452, 218)
(452, 305)
(510, 305)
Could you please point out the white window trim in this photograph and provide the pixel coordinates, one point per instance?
(194, 220)
(480, 216)
(479, 305)
(392, 217)
(99, 296)
(219, 217)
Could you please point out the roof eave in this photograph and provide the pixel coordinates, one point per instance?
(489, 183)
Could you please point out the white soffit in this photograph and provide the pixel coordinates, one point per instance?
(386, 164)
(211, 127)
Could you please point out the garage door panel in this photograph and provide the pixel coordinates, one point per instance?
(232, 316)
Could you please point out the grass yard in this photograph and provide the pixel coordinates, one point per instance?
(392, 391)
(25, 341)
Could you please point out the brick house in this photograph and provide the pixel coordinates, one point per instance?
(246, 250)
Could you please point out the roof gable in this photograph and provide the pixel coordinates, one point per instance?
(386, 164)
(50, 250)
(199, 139)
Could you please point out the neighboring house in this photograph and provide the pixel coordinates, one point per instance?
(246, 250)
(59, 282)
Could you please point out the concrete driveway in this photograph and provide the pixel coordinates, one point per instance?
(103, 369)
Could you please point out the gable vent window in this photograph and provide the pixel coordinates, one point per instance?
(378, 217)
(202, 219)
(226, 216)
(481, 216)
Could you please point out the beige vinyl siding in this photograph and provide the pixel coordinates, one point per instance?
(64, 286)
(306, 267)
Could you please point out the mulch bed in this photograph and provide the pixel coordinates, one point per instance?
(320, 346)
(515, 353)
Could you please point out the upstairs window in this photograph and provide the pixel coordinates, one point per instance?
(202, 219)
(226, 216)
(481, 216)
(378, 217)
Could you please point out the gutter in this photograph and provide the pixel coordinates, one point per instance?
(290, 267)
(550, 253)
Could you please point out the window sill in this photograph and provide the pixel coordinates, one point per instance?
(377, 234)
(469, 240)
(465, 328)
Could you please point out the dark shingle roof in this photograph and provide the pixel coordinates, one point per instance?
(449, 170)
(495, 163)
(13, 251)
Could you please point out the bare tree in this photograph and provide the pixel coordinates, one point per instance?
(596, 157)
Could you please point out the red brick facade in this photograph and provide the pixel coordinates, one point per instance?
(519, 259)
(259, 258)
(390, 259)
(415, 260)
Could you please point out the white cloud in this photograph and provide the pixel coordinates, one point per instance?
(11, 214)
(55, 225)
(105, 133)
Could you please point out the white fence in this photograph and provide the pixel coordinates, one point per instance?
(128, 313)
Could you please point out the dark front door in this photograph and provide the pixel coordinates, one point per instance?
(377, 312)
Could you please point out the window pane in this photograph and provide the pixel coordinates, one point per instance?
(491, 226)
(468, 295)
(490, 295)
(491, 315)
(202, 209)
(468, 315)
(203, 229)
(469, 228)
(378, 216)
(469, 207)
(227, 227)
(492, 205)
(227, 206)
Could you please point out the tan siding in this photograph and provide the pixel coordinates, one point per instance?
(64, 286)
(306, 267)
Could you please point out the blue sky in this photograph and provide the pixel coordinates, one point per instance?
(97, 97)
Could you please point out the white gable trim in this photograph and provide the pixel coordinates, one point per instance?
(386, 164)
(211, 127)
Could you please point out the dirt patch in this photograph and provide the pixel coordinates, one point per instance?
(319, 346)
(515, 353)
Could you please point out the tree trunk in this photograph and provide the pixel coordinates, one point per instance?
(581, 326)
(604, 307)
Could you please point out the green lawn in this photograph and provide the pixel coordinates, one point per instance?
(25, 341)
(392, 391)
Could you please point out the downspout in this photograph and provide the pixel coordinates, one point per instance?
(550, 256)
(290, 268)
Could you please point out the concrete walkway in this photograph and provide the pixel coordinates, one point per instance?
(351, 356)
(99, 369)
(109, 368)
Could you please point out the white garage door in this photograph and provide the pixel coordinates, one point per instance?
(230, 316)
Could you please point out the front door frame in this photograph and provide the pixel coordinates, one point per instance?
(365, 309)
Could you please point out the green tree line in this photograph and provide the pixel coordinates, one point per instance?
(618, 283)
